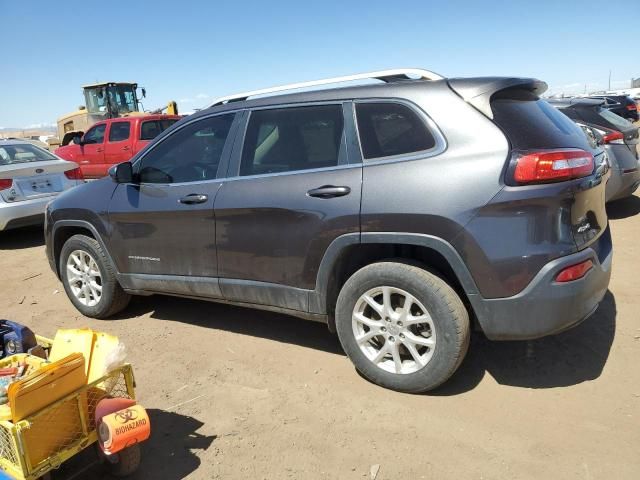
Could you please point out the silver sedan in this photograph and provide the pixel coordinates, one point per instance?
(29, 178)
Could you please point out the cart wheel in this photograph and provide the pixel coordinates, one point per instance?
(125, 462)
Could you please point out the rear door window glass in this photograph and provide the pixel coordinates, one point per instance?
(289, 139)
(387, 129)
(152, 128)
(119, 131)
(190, 154)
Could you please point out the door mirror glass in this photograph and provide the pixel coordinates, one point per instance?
(122, 172)
(77, 139)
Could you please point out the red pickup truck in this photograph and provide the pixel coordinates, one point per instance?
(114, 141)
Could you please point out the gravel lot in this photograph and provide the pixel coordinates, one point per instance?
(236, 393)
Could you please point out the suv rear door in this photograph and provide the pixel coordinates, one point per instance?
(291, 191)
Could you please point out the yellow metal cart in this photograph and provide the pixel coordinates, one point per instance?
(32, 447)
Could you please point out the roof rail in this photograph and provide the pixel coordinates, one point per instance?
(387, 76)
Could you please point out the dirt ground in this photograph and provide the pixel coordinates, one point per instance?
(235, 393)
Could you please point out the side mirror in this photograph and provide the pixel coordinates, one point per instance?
(78, 140)
(122, 172)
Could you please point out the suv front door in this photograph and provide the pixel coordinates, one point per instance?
(163, 224)
(291, 192)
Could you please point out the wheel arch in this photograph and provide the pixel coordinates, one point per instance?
(350, 252)
(65, 229)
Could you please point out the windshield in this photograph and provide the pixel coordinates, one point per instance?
(115, 99)
(614, 119)
(23, 153)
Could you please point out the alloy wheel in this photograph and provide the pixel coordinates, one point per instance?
(83, 278)
(394, 330)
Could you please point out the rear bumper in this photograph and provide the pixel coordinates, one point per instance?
(21, 214)
(546, 307)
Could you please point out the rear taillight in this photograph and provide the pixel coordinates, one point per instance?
(574, 272)
(75, 174)
(613, 137)
(5, 183)
(552, 166)
(631, 107)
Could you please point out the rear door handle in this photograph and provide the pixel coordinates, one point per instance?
(194, 198)
(126, 148)
(329, 191)
(99, 150)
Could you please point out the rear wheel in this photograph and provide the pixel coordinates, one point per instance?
(89, 279)
(403, 328)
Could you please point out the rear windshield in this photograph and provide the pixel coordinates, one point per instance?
(23, 153)
(152, 128)
(531, 123)
(614, 119)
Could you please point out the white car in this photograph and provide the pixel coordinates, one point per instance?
(29, 178)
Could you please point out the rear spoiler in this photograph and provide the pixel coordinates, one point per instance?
(478, 91)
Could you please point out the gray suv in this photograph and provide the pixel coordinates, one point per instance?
(402, 214)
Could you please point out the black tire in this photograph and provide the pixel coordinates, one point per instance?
(113, 298)
(125, 462)
(449, 315)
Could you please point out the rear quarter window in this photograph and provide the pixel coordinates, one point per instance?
(530, 123)
(387, 129)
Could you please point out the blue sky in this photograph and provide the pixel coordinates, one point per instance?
(191, 51)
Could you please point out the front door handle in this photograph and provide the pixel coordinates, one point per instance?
(329, 191)
(194, 198)
(126, 148)
(99, 150)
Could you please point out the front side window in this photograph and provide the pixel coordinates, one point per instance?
(95, 134)
(289, 139)
(388, 129)
(119, 131)
(190, 154)
(152, 128)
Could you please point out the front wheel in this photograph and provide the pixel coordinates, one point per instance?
(403, 327)
(89, 279)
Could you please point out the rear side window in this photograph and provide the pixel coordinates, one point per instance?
(152, 128)
(289, 139)
(119, 131)
(388, 129)
(531, 123)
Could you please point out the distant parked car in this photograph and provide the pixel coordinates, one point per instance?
(114, 141)
(30, 177)
(622, 105)
(617, 135)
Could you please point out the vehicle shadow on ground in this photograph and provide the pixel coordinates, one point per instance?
(170, 452)
(572, 357)
(245, 321)
(20, 238)
(625, 208)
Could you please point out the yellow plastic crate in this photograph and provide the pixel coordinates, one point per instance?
(43, 441)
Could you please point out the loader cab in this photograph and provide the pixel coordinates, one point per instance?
(111, 100)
